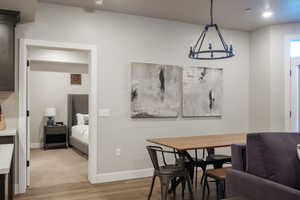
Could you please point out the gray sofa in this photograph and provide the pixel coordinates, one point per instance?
(266, 168)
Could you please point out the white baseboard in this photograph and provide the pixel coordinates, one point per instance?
(35, 145)
(16, 191)
(123, 175)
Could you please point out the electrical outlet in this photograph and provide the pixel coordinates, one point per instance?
(118, 152)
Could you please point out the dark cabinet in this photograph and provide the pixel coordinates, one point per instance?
(55, 136)
(8, 21)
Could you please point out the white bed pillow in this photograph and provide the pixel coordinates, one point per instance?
(82, 119)
(86, 119)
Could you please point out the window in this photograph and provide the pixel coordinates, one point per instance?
(295, 48)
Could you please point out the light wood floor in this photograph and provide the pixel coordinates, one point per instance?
(123, 190)
(62, 175)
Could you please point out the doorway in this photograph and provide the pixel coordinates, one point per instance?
(42, 49)
(295, 85)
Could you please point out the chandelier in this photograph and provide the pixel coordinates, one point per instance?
(197, 52)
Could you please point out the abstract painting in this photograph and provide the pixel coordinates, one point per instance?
(75, 79)
(155, 90)
(202, 92)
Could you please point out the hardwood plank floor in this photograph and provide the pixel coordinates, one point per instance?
(56, 177)
(136, 189)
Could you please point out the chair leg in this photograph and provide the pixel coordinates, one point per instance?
(183, 188)
(196, 176)
(189, 186)
(221, 189)
(173, 187)
(203, 173)
(164, 185)
(152, 185)
(204, 186)
(218, 190)
(207, 185)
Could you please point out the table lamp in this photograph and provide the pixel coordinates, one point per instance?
(50, 113)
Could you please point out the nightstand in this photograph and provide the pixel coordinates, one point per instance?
(55, 136)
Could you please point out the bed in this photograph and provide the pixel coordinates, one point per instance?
(78, 132)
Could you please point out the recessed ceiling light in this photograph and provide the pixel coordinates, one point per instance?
(267, 14)
(99, 2)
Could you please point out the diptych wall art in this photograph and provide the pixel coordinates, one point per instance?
(202, 92)
(155, 90)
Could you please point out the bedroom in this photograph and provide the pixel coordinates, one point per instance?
(58, 87)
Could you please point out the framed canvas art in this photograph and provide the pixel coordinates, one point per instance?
(155, 90)
(202, 92)
(75, 79)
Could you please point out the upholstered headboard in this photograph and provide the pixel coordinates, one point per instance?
(77, 103)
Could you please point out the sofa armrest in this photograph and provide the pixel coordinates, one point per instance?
(238, 152)
(255, 188)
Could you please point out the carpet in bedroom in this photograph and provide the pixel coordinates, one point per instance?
(57, 166)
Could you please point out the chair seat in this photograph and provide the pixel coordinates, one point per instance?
(212, 159)
(218, 174)
(218, 157)
(171, 169)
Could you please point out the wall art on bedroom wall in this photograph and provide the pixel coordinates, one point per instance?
(202, 92)
(155, 90)
(75, 79)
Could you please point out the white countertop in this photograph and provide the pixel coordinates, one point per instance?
(6, 153)
(8, 132)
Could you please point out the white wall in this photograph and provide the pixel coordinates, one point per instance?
(278, 34)
(267, 99)
(259, 96)
(50, 89)
(122, 39)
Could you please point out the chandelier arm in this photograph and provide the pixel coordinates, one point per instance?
(194, 48)
(221, 38)
(202, 40)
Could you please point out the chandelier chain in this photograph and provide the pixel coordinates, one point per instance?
(211, 12)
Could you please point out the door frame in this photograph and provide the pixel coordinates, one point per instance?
(93, 104)
(288, 81)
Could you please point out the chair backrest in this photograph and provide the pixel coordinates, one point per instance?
(152, 150)
(210, 151)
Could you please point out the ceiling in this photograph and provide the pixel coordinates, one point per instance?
(228, 13)
(26, 7)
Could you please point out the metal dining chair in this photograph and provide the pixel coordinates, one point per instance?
(168, 173)
(217, 160)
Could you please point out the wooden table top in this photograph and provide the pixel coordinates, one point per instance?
(200, 142)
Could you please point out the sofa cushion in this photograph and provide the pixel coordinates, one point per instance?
(274, 156)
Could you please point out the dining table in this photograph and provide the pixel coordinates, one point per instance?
(200, 142)
(187, 143)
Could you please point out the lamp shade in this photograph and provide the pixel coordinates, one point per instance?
(50, 112)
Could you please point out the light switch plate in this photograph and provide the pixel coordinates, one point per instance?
(104, 112)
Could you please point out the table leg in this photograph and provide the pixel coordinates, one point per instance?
(2, 186)
(11, 184)
(190, 165)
